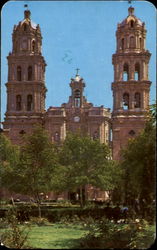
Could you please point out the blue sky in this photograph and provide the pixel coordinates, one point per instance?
(77, 34)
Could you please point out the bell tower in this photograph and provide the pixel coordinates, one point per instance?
(77, 87)
(131, 85)
(26, 84)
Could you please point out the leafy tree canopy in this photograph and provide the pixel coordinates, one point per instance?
(9, 158)
(84, 161)
(138, 162)
(37, 159)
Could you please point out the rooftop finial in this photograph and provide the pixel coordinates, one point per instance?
(26, 6)
(77, 70)
(27, 12)
(131, 11)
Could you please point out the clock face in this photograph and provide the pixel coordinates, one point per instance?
(76, 119)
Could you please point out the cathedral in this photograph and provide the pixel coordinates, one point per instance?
(26, 90)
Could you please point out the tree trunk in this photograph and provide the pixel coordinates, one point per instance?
(12, 200)
(39, 208)
(81, 197)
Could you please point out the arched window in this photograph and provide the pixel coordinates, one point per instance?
(140, 43)
(132, 42)
(122, 44)
(56, 137)
(131, 23)
(95, 135)
(126, 101)
(132, 132)
(19, 73)
(77, 96)
(22, 132)
(29, 102)
(18, 102)
(137, 72)
(125, 72)
(33, 46)
(29, 73)
(137, 100)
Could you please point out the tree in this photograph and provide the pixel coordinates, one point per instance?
(8, 152)
(84, 161)
(138, 162)
(37, 160)
(9, 158)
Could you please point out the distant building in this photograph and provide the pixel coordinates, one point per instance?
(26, 91)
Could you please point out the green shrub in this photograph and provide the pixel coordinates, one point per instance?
(16, 235)
(57, 214)
(3, 223)
(23, 212)
(3, 212)
(38, 221)
(107, 235)
(144, 236)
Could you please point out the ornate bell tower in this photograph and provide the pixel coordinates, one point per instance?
(26, 84)
(131, 85)
(77, 87)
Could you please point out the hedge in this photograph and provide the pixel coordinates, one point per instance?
(56, 214)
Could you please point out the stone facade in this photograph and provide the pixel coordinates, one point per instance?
(78, 115)
(26, 90)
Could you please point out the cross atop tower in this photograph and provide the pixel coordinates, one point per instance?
(77, 70)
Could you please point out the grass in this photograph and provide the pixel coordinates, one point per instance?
(68, 235)
(55, 236)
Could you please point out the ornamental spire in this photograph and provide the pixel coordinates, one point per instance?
(27, 12)
(130, 11)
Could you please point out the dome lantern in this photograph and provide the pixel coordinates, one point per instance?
(27, 14)
(131, 11)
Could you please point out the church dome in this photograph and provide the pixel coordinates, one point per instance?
(27, 36)
(131, 18)
(26, 21)
(29, 22)
(77, 78)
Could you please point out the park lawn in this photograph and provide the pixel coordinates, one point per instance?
(68, 236)
(55, 236)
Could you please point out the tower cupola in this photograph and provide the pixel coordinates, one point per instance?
(26, 36)
(131, 34)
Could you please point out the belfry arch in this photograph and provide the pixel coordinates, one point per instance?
(137, 72)
(125, 72)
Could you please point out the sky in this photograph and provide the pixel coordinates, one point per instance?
(77, 34)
